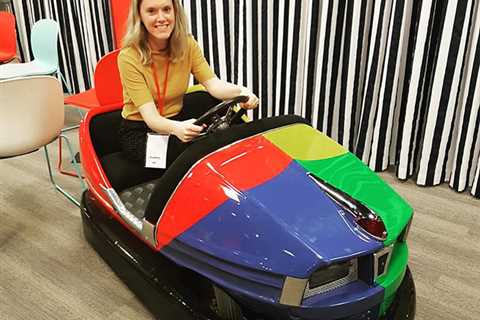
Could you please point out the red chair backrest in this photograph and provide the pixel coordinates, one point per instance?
(120, 10)
(8, 39)
(108, 86)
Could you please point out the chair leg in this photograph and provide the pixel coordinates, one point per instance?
(69, 89)
(80, 113)
(59, 163)
(76, 126)
(75, 164)
(76, 167)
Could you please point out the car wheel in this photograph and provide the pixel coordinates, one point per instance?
(226, 307)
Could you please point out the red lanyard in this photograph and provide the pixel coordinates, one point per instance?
(160, 97)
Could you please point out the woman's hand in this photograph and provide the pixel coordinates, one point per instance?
(223, 91)
(252, 102)
(186, 130)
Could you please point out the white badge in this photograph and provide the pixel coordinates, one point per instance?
(156, 153)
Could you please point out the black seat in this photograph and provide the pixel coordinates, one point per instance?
(121, 172)
(124, 173)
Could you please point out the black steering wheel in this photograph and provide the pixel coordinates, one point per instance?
(221, 116)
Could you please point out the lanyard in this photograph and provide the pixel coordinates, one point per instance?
(160, 97)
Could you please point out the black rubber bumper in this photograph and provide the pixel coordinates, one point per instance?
(404, 305)
(159, 284)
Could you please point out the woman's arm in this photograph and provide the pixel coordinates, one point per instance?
(223, 90)
(184, 130)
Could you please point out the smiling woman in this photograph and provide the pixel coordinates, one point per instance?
(155, 65)
(157, 25)
(159, 20)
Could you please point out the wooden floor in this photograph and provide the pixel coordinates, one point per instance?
(48, 271)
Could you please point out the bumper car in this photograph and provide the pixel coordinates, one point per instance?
(268, 219)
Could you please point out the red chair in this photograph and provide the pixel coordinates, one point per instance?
(107, 88)
(108, 84)
(107, 91)
(8, 37)
(120, 10)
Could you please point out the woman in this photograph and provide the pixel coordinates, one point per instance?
(155, 65)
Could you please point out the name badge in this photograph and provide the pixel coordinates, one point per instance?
(156, 153)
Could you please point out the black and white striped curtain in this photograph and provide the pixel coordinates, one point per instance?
(394, 81)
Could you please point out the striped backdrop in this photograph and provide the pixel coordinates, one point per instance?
(394, 81)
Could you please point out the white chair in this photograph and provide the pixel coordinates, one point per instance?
(32, 116)
(44, 43)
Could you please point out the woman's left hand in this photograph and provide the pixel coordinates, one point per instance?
(252, 102)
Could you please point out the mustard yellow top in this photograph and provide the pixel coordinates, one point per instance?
(139, 85)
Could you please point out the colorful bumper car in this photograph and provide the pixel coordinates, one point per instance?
(269, 219)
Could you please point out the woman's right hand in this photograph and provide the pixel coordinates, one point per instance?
(186, 130)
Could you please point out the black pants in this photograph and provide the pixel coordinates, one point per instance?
(133, 134)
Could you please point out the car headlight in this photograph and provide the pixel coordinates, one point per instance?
(366, 218)
(381, 261)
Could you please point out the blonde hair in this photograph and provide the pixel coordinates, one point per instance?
(136, 34)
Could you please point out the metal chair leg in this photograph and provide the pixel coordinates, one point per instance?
(59, 164)
(75, 166)
(69, 89)
(80, 113)
(76, 126)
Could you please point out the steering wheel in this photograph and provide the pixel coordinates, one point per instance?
(221, 116)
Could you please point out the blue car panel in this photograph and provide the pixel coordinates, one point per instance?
(300, 219)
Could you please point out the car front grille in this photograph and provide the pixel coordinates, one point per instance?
(332, 277)
(367, 269)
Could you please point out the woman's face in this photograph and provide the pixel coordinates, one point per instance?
(158, 17)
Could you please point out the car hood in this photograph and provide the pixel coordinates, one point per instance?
(285, 226)
(254, 204)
